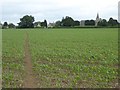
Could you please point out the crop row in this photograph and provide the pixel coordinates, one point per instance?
(12, 59)
(62, 58)
(75, 58)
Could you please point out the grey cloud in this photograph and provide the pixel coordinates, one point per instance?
(53, 10)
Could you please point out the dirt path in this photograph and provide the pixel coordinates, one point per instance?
(30, 79)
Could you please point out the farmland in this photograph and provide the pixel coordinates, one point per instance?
(62, 57)
(12, 58)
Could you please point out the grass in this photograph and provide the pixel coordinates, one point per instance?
(63, 57)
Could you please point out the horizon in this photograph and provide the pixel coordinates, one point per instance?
(53, 10)
(58, 20)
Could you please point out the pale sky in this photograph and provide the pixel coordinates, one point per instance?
(53, 10)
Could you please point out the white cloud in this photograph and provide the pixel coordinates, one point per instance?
(53, 10)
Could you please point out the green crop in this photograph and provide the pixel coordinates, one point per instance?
(63, 57)
(12, 58)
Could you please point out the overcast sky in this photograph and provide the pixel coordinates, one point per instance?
(53, 10)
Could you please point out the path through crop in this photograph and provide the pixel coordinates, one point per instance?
(29, 81)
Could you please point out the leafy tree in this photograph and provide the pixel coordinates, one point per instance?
(11, 25)
(103, 23)
(86, 22)
(5, 25)
(44, 24)
(57, 23)
(67, 22)
(76, 23)
(26, 22)
(90, 22)
(112, 22)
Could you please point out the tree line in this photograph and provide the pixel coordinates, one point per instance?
(29, 22)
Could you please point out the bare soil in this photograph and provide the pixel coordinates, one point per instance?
(30, 80)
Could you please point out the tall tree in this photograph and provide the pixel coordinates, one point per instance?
(103, 23)
(67, 22)
(57, 23)
(26, 22)
(44, 24)
(112, 22)
(5, 25)
(90, 22)
(11, 25)
(76, 23)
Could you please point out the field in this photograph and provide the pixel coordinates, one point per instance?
(81, 58)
